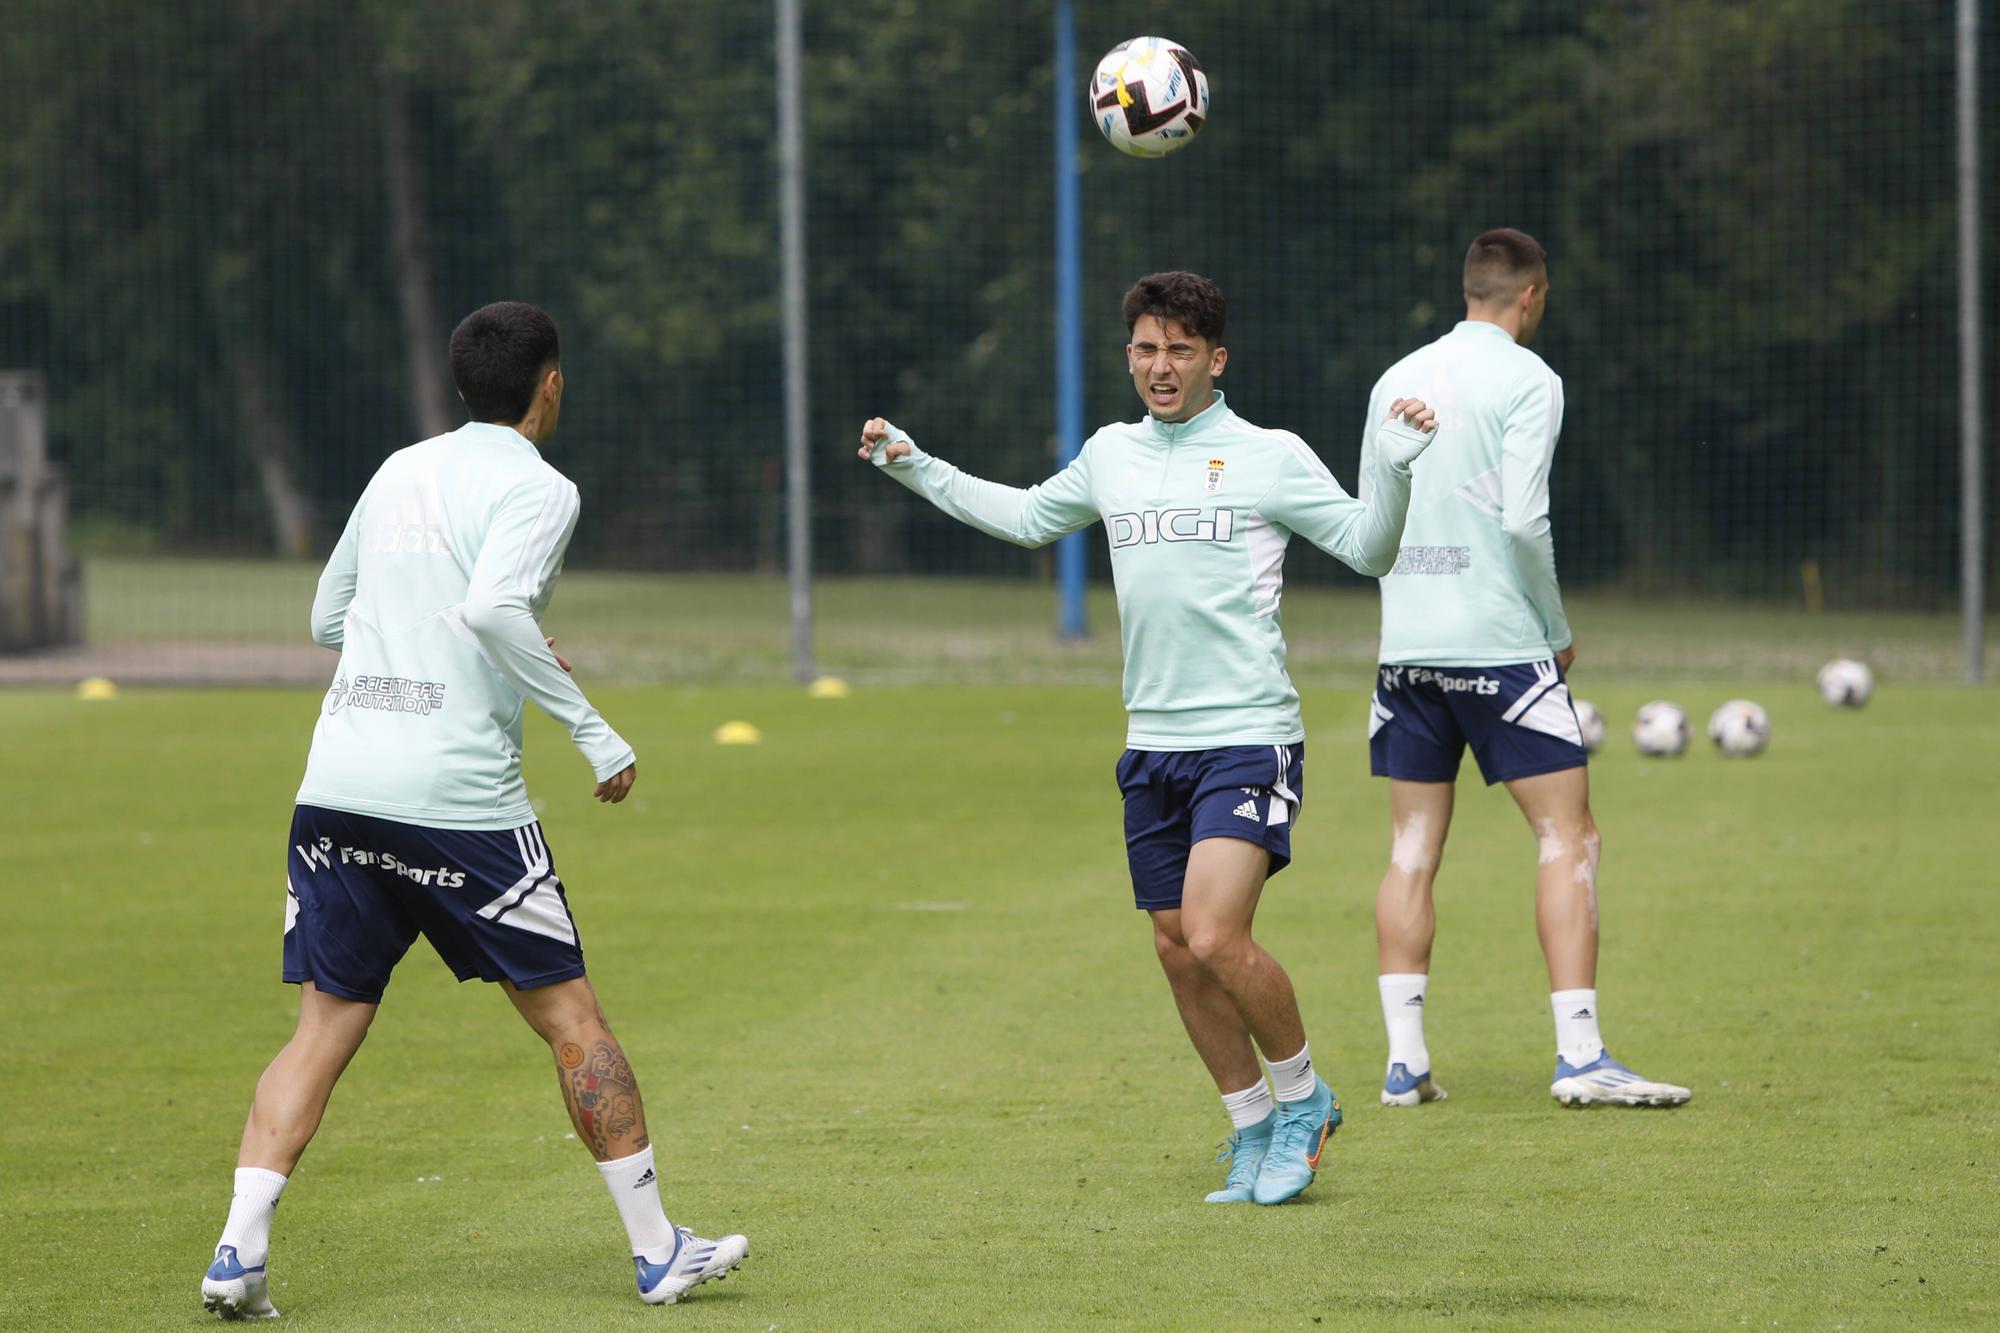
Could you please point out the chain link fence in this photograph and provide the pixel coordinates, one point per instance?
(235, 235)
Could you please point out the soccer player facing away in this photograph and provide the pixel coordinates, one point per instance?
(1475, 649)
(1198, 505)
(413, 818)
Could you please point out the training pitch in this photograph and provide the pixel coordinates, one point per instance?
(896, 1020)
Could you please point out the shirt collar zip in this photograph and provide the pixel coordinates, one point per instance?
(1178, 432)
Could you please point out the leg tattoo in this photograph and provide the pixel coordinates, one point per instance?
(602, 1095)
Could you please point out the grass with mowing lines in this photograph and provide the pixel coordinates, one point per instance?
(896, 1020)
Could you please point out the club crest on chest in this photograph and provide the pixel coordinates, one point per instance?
(1212, 482)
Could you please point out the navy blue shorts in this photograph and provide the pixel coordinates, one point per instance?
(1518, 720)
(359, 890)
(1176, 798)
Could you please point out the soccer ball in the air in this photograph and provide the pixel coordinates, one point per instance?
(1149, 96)
(1845, 683)
(1740, 728)
(1591, 723)
(1661, 730)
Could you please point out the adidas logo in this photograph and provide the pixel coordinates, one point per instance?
(1414, 1000)
(645, 1180)
(1583, 1013)
(1247, 810)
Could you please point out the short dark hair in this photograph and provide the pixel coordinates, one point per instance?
(1190, 300)
(1500, 262)
(498, 355)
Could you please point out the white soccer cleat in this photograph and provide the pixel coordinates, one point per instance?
(1402, 1088)
(236, 1292)
(693, 1262)
(1605, 1082)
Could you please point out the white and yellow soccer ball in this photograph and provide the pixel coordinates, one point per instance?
(1661, 730)
(1591, 723)
(1150, 96)
(1740, 729)
(1846, 683)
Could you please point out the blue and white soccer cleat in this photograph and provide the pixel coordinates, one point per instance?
(1245, 1152)
(1297, 1140)
(1606, 1082)
(236, 1292)
(693, 1262)
(1402, 1088)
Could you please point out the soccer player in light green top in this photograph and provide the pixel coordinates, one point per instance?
(413, 818)
(1475, 648)
(1198, 506)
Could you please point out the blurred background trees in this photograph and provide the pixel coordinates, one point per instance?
(235, 234)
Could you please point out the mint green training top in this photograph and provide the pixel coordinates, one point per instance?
(1475, 582)
(1198, 515)
(433, 597)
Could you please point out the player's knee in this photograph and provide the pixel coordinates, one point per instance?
(1218, 948)
(1175, 956)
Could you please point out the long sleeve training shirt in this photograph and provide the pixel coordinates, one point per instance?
(1198, 515)
(433, 597)
(1475, 582)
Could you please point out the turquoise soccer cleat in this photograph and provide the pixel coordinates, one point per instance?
(1297, 1141)
(1245, 1152)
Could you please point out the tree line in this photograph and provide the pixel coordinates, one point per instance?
(236, 235)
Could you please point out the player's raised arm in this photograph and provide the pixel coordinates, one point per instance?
(1527, 451)
(1032, 517)
(522, 552)
(336, 586)
(1361, 533)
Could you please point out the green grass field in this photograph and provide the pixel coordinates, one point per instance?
(897, 1021)
(713, 628)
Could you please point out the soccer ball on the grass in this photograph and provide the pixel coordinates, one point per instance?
(1846, 683)
(1740, 728)
(1149, 96)
(1591, 723)
(1661, 730)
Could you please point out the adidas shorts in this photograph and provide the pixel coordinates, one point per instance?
(1517, 719)
(1176, 798)
(359, 890)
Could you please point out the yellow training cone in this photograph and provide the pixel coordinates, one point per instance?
(828, 687)
(737, 733)
(96, 688)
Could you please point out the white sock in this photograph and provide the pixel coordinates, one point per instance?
(635, 1188)
(250, 1213)
(1577, 1041)
(1249, 1106)
(1292, 1080)
(1403, 1015)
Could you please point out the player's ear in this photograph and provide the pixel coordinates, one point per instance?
(1217, 360)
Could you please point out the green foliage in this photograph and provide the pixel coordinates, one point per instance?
(1748, 206)
(985, 1114)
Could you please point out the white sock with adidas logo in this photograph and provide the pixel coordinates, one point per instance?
(1577, 1041)
(635, 1188)
(250, 1212)
(1403, 1015)
(1293, 1079)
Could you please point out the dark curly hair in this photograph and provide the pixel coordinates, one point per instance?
(1190, 300)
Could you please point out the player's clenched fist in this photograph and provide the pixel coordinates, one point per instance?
(1413, 411)
(1407, 431)
(876, 434)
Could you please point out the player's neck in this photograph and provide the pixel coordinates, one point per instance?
(1508, 319)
